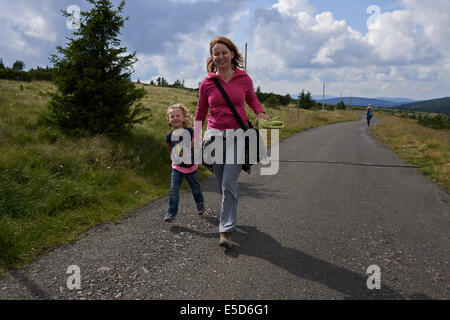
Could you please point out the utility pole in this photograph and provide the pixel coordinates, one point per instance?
(323, 98)
(246, 57)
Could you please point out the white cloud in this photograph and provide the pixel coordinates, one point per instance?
(31, 30)
(187, 63)
(293, 7)
(414, 43)
(27, 21)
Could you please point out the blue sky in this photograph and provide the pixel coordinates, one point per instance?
(354, 11)
(293, 44)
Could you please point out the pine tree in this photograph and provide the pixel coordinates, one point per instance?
(18, 65)
(93, 76)
(2, 66)
(309, 101)
(305, 101)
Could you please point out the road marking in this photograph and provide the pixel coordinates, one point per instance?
(352, 163)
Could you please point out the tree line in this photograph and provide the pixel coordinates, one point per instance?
(271, 99)
(162, 82)
(304, 100)
(16, 72)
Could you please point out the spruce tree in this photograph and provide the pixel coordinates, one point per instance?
(18, 65)
(302, 100)
(93, 76)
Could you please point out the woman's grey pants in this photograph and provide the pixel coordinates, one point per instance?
(227, 175)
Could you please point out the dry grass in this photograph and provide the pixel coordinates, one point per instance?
(418, 145)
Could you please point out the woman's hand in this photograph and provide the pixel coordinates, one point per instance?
(264, 116)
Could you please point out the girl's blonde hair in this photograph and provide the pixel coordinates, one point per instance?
(187, 115)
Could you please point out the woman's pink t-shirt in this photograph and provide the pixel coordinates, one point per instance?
(239, 89)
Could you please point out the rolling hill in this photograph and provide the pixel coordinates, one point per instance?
(357, 101)
(400, 100)
(441, 105)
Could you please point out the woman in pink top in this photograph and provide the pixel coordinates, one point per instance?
(226, 64)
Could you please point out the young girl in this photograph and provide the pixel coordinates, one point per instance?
(182, 165)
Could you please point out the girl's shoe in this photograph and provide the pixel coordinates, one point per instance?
(225, 240)
(201, 208)
(168, 219)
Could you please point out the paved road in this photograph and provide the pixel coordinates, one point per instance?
(309, 232)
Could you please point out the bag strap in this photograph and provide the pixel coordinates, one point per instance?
(230, 104)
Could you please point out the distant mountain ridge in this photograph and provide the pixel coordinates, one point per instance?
(318, 97)
(441, 105)
(401, 100)
(358, 101)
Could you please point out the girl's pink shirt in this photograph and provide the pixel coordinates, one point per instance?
(239, 89)
(185, 170)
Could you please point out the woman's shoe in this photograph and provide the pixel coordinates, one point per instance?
(225, 240)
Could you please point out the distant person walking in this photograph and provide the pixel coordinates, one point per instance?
(226, 63)
(369, 114)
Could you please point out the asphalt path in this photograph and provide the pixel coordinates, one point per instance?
(340, 203)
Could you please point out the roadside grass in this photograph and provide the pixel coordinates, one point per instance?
(54, 187)
(417, 145)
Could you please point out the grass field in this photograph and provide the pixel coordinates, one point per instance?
(54, 187)
(417, 145)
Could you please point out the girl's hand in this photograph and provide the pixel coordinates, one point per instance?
(263, 116)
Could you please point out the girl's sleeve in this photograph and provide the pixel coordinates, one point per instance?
(252, 99)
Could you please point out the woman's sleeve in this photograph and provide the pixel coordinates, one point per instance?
(252, 99)
(202, 106)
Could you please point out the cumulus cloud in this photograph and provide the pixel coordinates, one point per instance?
(293, 7)
(157, 26)
(412, 42)
(32, 30)
(301, 39)
(28, 30)
(174, 43)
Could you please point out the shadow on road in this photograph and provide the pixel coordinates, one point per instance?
(255, 243)
(245, 189)
(31, 286)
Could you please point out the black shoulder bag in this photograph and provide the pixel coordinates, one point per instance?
(248, 154)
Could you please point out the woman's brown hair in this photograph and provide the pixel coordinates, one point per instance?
(236, 62)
